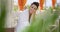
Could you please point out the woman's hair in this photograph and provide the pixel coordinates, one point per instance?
(35, 3)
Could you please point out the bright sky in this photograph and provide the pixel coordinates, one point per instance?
(31, 1)
(48, 2)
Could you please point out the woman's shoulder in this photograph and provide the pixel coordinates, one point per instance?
(25, 10)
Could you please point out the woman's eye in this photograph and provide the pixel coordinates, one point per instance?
(32, 7)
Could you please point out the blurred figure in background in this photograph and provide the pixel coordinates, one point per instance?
(25, 17)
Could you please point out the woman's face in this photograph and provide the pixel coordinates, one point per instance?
(33, 8)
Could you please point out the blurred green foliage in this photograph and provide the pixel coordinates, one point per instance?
(43, 22)
(28, 6)
(2, 14)
(15, 7)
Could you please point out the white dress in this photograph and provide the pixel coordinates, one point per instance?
(23, 21)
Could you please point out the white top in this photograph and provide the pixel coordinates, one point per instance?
(23, 21)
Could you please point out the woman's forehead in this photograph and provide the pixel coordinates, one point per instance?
(34, 6)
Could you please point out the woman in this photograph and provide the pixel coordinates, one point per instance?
(25, 18)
